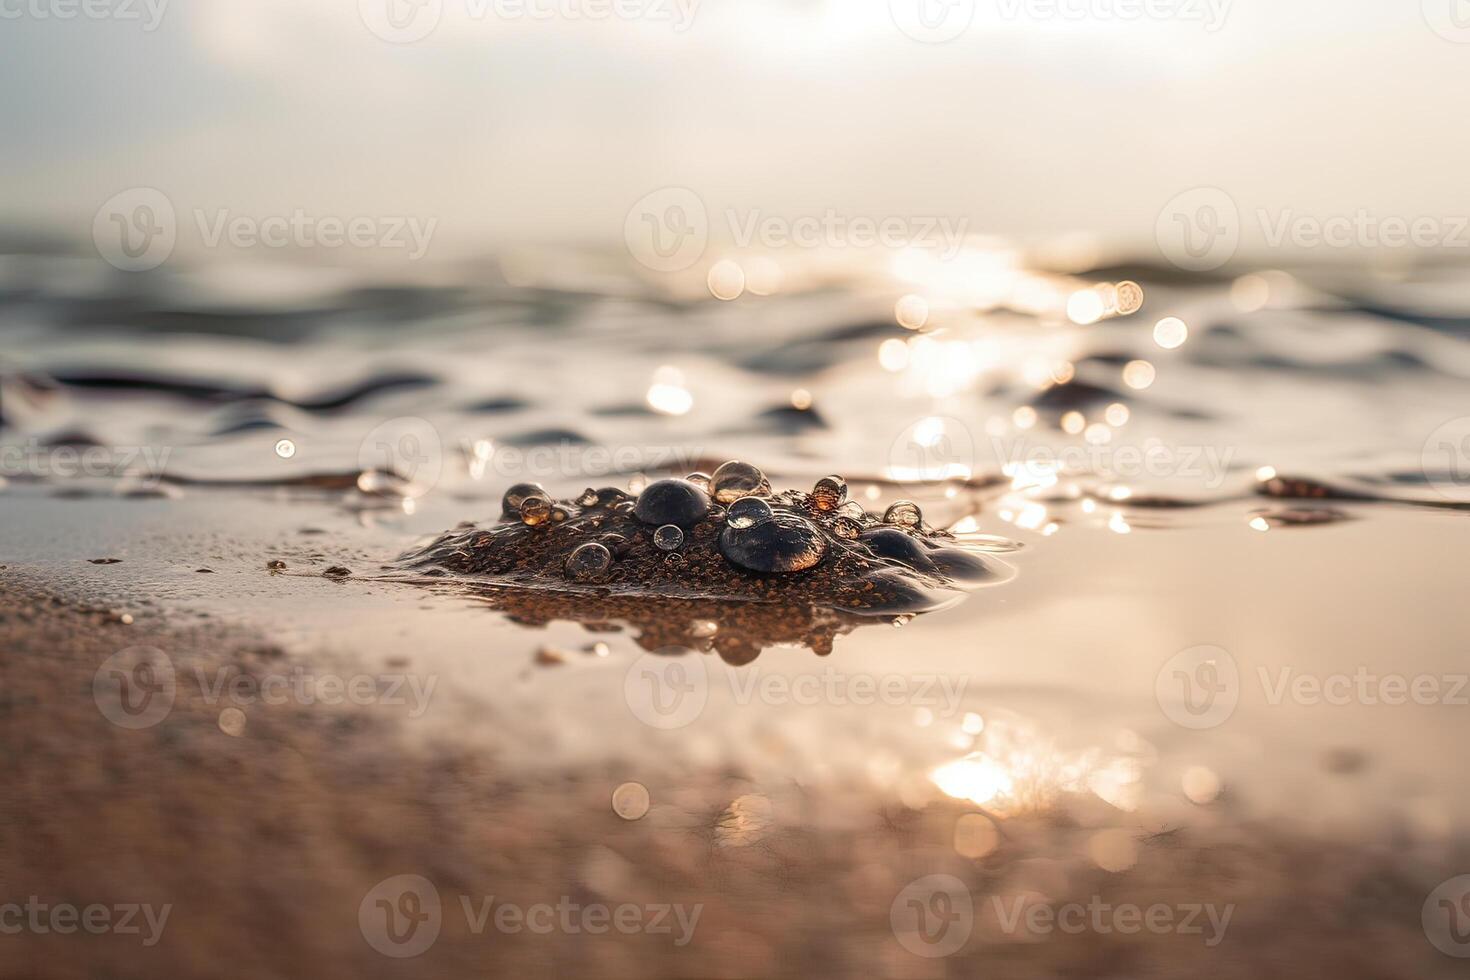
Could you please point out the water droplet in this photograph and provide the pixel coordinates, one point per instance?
(1129, 297)
(748, 512)
(630, 801)
(735, 479)
(829, 493)
(232, 722)
(511, 502)
(285, 449)
(700, 480)
(669, 537)
(852, 510)
(786, 543)
(846, 527)
(588, 498)
(588, 562)
(904, 513)
(535, 510)
(672, 502)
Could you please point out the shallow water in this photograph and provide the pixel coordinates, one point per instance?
(264, 416)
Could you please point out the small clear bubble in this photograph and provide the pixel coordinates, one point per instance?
(904, 513)
(535, 510)
(735, 479)
(630, 801)
(588, 562)
(829, 493)
(232, 722)
(285, 449)
(669, 537)
(748, 512)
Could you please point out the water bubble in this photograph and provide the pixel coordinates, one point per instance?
(672, 502)
(669, 537)
(846, 527)
(285, 449)
(1129, 297)
(588, 562)
(829, 493)
(786, 543)
(630, 801)
(535, 510)
(748, 512)
(700, 480)
(852, 510)
(588, 498)
(904, 513)
(511, 502)
(735, 479)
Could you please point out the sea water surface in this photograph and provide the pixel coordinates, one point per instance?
(1238, 539)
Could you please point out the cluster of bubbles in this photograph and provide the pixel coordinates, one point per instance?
(756, 536)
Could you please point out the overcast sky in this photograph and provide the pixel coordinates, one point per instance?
(1039, 117)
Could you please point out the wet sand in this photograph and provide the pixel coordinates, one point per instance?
(266, 843)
